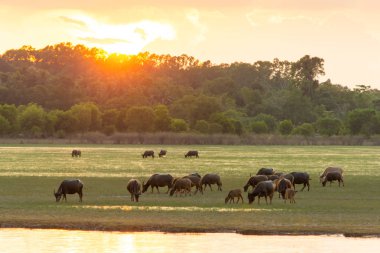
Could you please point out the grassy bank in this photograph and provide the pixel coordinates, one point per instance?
(28, 175)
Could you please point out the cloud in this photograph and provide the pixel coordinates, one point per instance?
(193, 16)
(104, 41)
(73, 21)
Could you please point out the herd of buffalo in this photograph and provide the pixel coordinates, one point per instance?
(264, 184)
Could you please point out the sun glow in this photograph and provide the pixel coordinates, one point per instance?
(128, 38)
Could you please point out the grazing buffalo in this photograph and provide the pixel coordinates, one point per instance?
(282, 185)
(158, 180)
(210, 179)
(162, 153)
(330, 169)
(232, 195)
(301, 178)
(254, 180)
(134, 188)
(195, 181)
(265, 171)
(148, 153)
(69, 187)
(76, 153)
(262, 189)
(181, 185)
(290, 177)
(192, 153)
(332, 176)
(289, 194)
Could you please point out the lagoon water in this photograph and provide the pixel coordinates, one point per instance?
(51, 240)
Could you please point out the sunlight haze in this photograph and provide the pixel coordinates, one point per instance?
(346, 34)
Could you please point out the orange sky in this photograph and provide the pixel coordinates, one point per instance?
(346, 33)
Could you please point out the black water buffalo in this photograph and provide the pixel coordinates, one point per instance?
(210, 179)
(333, 176)
(181, 185)
(148, 153)
(289, 176)
(162, 153)
(262, 189)
(330, 169)
(192, 153)
(265, 171)
(301, 178)
(254, 180)
(134, 188)
(69, 187)
(158, 180)
(76, 153)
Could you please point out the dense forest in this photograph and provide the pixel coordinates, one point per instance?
(67, 89)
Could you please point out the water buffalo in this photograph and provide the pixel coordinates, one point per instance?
(289, 194)
(76, 153)
(301, 178)
(162, 153)
(148, 153)
(254, 180)
(192, 153)
(265, 171)
(289, 176)
(330, 169)
(181, 185)
(210, 179)
(69, 187)
(232, 195)
(262, 189)
(283, 184)
(134, 188)
(332, 176)
(195, 181)
(158, 180)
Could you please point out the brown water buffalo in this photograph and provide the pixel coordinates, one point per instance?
(210, 179)
(254, 180)
(181, 185)
(330, 169)
(283, 184)
(265, 171)
(262, 189)
(134, 188)
(192, 153)
(290, 194)
(301, 178)
(76, 153)
(148, 153)
(332, 176)
(162, 153)
(69, 187)
(158, 180)
(195, 181)
(232, 195)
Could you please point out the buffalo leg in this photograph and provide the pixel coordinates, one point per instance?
(80, 197)
(157, 189)
(209, 185)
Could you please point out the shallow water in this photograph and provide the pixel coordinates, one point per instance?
(51, 240)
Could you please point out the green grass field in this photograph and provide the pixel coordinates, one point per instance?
(29, 174)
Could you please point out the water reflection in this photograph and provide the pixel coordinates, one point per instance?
(38, 240)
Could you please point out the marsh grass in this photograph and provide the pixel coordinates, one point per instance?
(29, 174)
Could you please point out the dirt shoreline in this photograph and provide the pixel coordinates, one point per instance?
(123, 228)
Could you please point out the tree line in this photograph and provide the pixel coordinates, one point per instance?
(67, 89)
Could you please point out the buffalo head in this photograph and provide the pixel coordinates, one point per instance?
(57, 196)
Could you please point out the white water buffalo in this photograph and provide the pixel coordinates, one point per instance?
(69, 187)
